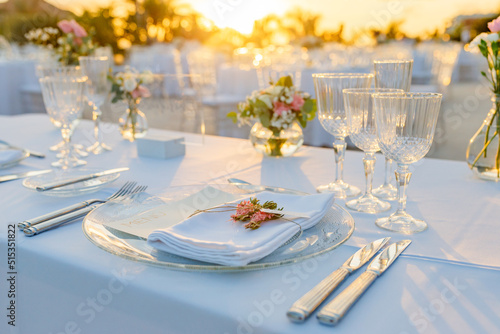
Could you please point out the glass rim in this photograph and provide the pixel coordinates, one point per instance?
(94, 57)
(343, 75)
(371, 91)
(408, 96)
(393, 61)
(80, 78)
(52, 66)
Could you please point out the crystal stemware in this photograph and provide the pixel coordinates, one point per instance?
(362, 132)
(396, 74)
(64, 101)
(405, 130)
(332, 116)
(98, 87)
(55, 70)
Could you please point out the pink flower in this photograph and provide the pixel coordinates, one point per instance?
(260, 217)
(65, 26)
(494, 25)
(297, 102)
(140, 91)
(244, 210)
(72, 27)
(78, 30)
(280, 107)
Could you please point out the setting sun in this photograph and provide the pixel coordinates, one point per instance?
(239, 15)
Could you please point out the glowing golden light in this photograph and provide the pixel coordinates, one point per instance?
(239, 15)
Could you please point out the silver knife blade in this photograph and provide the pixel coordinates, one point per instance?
(10, 177)
(63, 183)
(303, 307)
(382, 261)
(334, 311)
(358, 259)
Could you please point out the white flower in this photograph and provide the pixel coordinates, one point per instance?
(492, 37)
(477, 40)
(266, 98)
(45, 37)
(129, 84)
(147, 77)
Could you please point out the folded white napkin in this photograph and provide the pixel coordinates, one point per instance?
(213, 237)
(9, 155)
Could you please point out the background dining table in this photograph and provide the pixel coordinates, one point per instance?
(447, 280)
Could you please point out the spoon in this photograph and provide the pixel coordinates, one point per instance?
(31, 153)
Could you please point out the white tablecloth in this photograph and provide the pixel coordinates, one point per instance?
(446, 281)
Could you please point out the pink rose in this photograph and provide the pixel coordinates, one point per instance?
(72, 27)
(280, 107)
(140, 91)
(297, 102)
(78, 29)
(494, 25)
(65, 26)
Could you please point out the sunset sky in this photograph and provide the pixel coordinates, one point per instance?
(420, 15)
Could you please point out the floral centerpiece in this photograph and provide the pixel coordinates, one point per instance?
(483, 152)
(68, 42)
(278, 110)
(129, 86)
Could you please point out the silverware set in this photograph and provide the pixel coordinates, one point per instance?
(335, 310)
(48, 221)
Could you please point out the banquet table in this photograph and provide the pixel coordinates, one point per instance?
(447, 280)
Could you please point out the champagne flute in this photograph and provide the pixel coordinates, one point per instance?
(332, 116)
(405, 130)
(363, 133)
(394, 74)
(64, 100)
(97, 90)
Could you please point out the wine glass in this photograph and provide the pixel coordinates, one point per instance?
(64, 100)
(405, 130)
(394, 74)
(55, 70)
(362, 132)
(332, 116)
(98, 87)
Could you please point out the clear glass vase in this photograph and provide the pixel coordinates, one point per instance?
(284, 144)
(133, 124)
(483, 152)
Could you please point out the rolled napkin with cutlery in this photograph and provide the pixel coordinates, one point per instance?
(211, 236)
(9, 155)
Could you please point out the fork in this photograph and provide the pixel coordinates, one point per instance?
(51, 223)
(124, 190)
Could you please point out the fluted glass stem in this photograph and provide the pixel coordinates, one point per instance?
(96, 116)
(403, 176)
(388, 172)
(369, 163)
(339, 146)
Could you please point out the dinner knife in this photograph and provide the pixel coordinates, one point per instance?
(334, 311)
(303, 307)
(10, 177)
(59, 184)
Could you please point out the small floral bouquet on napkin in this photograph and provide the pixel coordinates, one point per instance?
(276, 108)
(129, 86)
(69, 42)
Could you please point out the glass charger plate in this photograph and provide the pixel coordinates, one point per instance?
(80, 188)
(333, 230)
(12, 162)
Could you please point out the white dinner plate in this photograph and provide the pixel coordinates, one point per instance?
(333, 230)
(75, 189)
